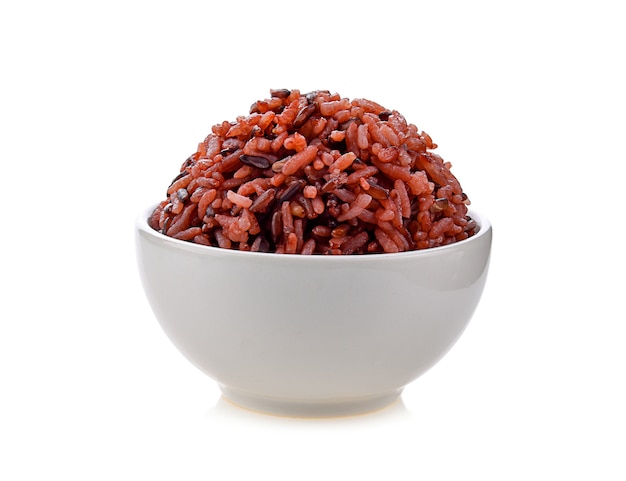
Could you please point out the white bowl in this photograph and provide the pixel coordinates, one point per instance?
(312, 335)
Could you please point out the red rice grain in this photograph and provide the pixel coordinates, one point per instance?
(356, 208)
(239, 199)
(316, 173)
(299, 160)
(309, 247)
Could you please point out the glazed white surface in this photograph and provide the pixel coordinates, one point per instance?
(312, 335)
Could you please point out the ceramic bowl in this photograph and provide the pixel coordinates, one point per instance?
(312, 335)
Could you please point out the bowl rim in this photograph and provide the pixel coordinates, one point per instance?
(142, 227)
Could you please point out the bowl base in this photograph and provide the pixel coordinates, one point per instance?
(310, 409)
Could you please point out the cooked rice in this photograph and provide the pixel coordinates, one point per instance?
(316, 173)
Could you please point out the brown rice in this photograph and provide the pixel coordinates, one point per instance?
(316, 173)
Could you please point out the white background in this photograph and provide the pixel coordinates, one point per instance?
(102, 101)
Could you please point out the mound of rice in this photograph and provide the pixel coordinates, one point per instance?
(316, 173)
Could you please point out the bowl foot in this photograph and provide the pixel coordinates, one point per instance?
(315, 409)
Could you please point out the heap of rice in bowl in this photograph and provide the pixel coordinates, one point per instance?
(316, 173)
